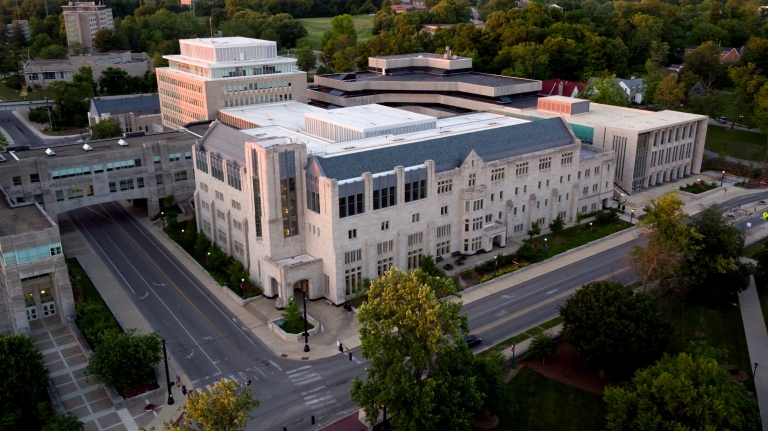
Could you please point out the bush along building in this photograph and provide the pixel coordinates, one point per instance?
(319, 200)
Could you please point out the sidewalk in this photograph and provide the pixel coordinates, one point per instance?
(757, 343)
(337, 324)
(31, 127)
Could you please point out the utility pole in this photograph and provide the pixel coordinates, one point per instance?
(306, 334)
(167, 376)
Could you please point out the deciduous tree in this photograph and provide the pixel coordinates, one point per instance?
(104, 129)
(223, 409)
(669, 93)
(704, 62)
(127, 358)
(656, 261)
(604, 90)
(614, 329)
(406, 332)
(681, 393)
(541, 346)
(557, 225)
(23, 383)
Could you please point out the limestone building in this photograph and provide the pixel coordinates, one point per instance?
(306, 210)
(134, 112)
(39, 73)
(83, 19)
(216, 73)
(34, 282)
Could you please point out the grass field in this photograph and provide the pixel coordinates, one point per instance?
(543, 404)
(15, 95)
(317, 26)
(736, 143)
(719, 324)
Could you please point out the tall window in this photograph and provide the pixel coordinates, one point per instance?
(383, 265)
(313, 197)
(415, 190)
(521, 169)
(471, 180)
(353, 280)
(444, 186)
(566, 159)
(385, 197)
(288, 201)
(257, 206)
(545, 163)
(414, 258)
(497, 174)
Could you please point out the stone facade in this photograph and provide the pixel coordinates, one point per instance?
(34, 282)
(40, 73)
(149, 167)
(83, 19)
(271, 203)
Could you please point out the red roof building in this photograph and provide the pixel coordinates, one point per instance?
(559, 87)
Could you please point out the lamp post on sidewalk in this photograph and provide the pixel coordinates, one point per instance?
(546, 246)
(242, 286)
(162, 216)
(632, 217)
(589, 235)
(306, 334)
(753, 374)
(207, 258)
(167, 376)
(722, 179)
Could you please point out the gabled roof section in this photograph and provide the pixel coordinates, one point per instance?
(226, 143)
(140, 105)
(449, 152)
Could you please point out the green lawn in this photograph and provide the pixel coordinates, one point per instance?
(719, 322)
(736, 143)
(100, 318)
(504, 345)
(753, 249)
(14, 95)
(317, 26)
(542, 404)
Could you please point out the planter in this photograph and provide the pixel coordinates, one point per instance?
(273, 325)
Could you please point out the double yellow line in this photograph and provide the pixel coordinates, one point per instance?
(109, 217)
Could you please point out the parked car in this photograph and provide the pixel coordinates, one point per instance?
(472, 340)
(722, 120)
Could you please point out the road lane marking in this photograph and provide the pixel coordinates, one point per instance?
(298, 369)
(112, 219)
(140, 229)
(546, 287)
(275, 365)
(551, 292)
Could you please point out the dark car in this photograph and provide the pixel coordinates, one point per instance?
(472, 340)
(722, 120)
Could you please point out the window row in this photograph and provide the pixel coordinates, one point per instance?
(32, 254)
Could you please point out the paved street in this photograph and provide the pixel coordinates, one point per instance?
(210, 343)
(22, 135)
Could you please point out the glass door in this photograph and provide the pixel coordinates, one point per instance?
(46, 300)
(29, 301)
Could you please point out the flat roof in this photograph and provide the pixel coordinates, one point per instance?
(418, 55)
(227, 41)
(563, 99)
(370, 116)
(21, 219)
(476, 78)
(221, 64)
(289, 115)
(104, 145)
(619, 117)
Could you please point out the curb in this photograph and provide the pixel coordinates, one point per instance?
(550, 260)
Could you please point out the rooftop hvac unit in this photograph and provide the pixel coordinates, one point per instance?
(50, 152)
(87, 147)
(122, 143)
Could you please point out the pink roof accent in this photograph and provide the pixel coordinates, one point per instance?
(550, 87)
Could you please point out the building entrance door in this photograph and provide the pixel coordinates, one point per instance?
(29, 302)
(302, 285)
(46, 300)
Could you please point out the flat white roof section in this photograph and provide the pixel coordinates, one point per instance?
(364, 122)
(289, 115)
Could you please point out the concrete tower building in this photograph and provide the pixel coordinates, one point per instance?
(84, 19)
(217, 73)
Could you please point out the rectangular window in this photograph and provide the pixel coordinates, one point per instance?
(518, 228)
(97, 169)
(566, 159)
(112, 187)
(383, 265)
(545, 163)
(444, 210)
(174, 157)
(521, 169)
(444, 186)
(414, 258)
(352, 233)
(353, 256)
(236, 205)
(34, 178)
(415, 190)
(159, 178)
(497, 174)
(140, 182)
(415, 239)
(443, 248)
(385, 225)
(677, 133)
(471, 180)
(477, 204)
(187, 155)
(222, 236)
(414, 218)
(488, 218)
(385, 197)
(60, 193)
(351, 205)
(17, 181)
(180, 176)
(257, 206)
(156, 159)
(353, 280)
(443, 231)
(385, 247)
(477, 223)
(477, 243)
(289, 209)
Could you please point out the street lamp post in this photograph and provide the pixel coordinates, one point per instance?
(162, 216)
(722, 179)
(753, 374)
(495, 265)
(207, 258)
(167, 376)
(242, 286)
(632, 217)
(698, 181)
(546, 246)
(306, 334)
(182, 233)
(589, 235)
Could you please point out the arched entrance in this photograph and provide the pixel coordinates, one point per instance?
(273, 287)
(302, 285)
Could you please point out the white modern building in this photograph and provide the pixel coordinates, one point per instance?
(319, 212)
(216, 73)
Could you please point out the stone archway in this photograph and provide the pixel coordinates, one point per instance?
(273, 287)
(302, 285)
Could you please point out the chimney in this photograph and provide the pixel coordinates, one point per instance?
(560, 88)
(447, 54)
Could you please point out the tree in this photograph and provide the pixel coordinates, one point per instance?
(57, 422)
(427, 265)
(604, 90)
(293, 321)
(305, 57)
(669, 93)
(3, 141)
(614, 329)
(704, 62)
(269, 34)
(542, 346)
(557, 225)
(71, 102)
(126, 358)
(104, 129)
(105, 40)
(223, 409)
(23, 384)
(761, 113)
(748, 81)
(406, 332)
(452, 11)
(52, 52)
(705, 32)
(114, 81)
(712, 265)
(535, 230)
(665, 216)
(84, 75)
(527, 60)
(681, 393)
(655, 262)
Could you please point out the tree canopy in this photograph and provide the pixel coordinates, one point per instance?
(104, 129)
(225, 408)
(23, 384)
(614, 329)
(681, 393)
(126, 358)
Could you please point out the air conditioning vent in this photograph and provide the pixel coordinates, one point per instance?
(87, 147)
(122, 143)
(50, 152)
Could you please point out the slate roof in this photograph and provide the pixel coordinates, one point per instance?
(144, 104)
(226, 142)
(449, 152)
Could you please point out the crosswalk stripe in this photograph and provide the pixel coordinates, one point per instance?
(233, 378)
(323, 405)
(318, 378)
(312, 390)
(319, 399)
(299, 369)
(208, 387)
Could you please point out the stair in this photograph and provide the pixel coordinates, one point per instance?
(256, 313)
